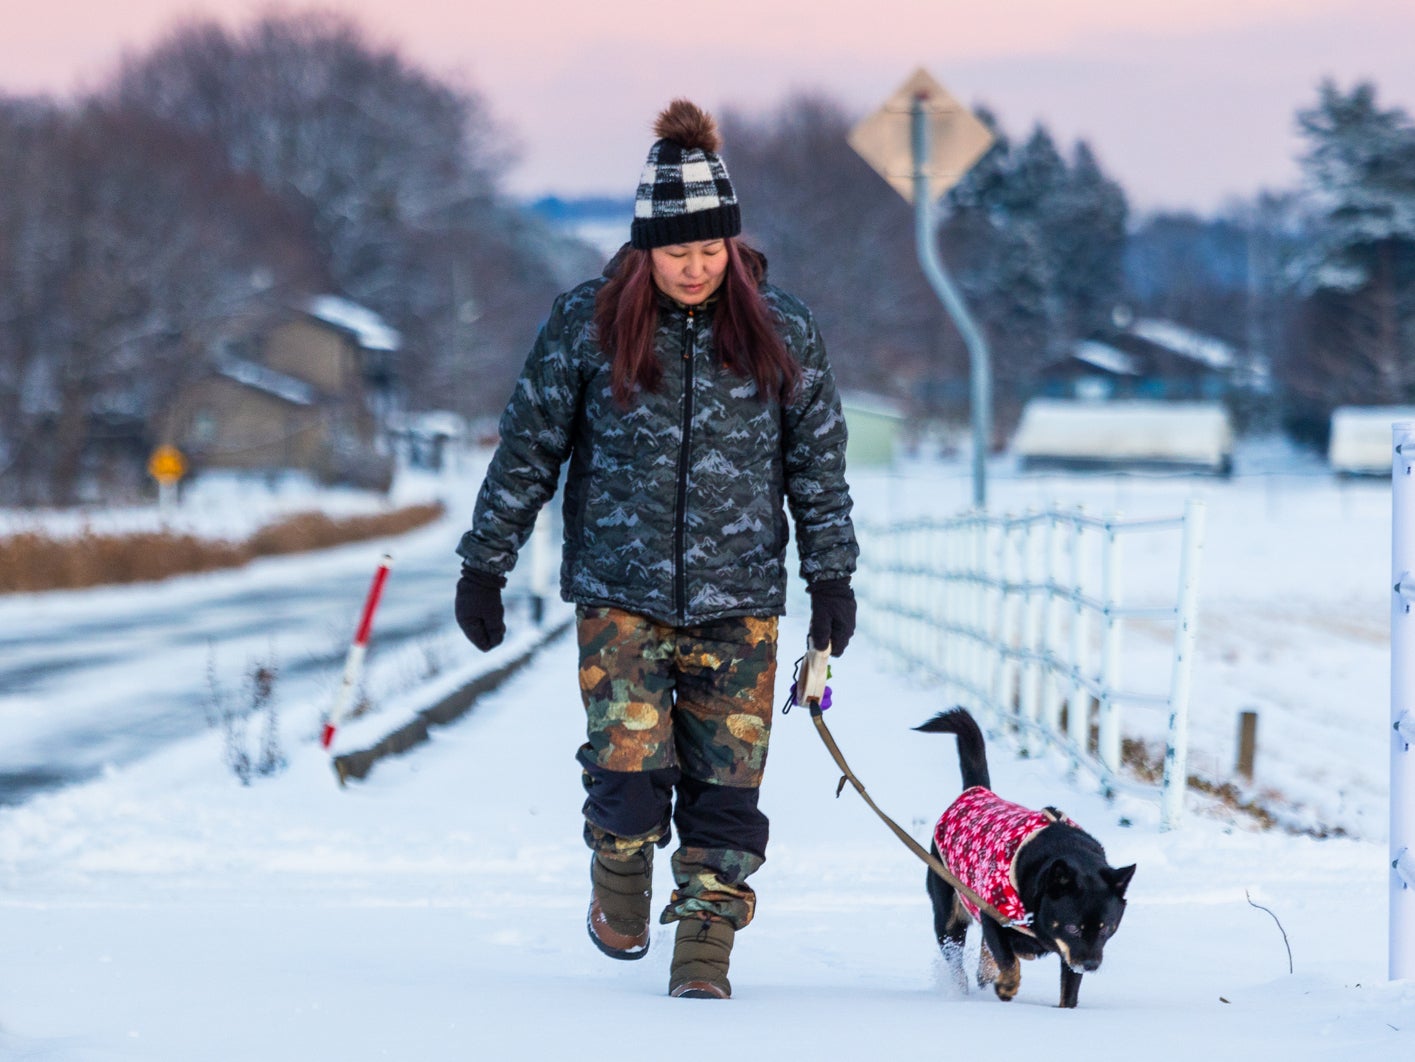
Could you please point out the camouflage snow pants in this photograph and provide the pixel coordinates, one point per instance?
(685, 713)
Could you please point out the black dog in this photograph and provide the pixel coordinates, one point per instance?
(1037, 869)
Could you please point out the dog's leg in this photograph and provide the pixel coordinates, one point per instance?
(950, 927)
(987, 967)
(1009, 970)
(1070, 986)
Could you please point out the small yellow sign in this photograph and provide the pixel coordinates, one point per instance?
(167, 465)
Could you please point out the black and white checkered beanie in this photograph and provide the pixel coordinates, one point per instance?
(684, 193)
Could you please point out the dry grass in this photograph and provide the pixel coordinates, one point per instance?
(31, 562)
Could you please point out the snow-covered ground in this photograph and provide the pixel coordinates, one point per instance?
(436, 910)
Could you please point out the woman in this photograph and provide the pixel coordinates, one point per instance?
(690, 397)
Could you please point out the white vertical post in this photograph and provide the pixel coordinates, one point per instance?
(1001, 633)
(920, 608)
(1051, 630)
(948, 596)
(1032, 607)
(1402, 704)
(1176, 754)
(1112, 592)
(1078, 706)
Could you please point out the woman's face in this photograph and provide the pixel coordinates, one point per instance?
(690, 272)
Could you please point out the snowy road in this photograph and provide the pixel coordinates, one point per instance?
(103, 677)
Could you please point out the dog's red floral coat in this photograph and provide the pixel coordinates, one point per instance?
(979, 837)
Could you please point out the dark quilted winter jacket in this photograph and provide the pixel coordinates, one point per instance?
(673, 507)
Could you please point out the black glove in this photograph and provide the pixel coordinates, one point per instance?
(479, 611)
(832, 614)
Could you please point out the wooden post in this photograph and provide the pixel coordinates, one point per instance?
(1247, 742)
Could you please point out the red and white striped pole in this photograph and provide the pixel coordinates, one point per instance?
(354, 662)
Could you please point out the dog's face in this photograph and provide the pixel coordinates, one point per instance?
(1080, 909)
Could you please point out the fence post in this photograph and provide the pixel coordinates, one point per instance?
(1112, 590)
(1247, 743)
(1051, 631)
(1078, 710)
(1001, 629)
(1033, 607)
(978, 677)
(1176, 756)
(1402, 704)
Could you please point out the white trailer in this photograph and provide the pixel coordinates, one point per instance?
(1180, 436)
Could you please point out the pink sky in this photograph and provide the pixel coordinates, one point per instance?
(1186, 103)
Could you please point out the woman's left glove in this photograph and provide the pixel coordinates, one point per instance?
(832, 614)
(479, 610)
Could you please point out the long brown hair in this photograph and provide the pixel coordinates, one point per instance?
(746, 340)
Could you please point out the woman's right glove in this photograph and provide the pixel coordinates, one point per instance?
(832, 614)
(479, 610)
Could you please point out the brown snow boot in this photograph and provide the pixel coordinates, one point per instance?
(701, 950)
(618, 919)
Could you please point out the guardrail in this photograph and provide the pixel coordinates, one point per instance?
(1024, 617)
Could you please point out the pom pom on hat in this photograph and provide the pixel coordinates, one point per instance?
(684, 193)
(688, 126)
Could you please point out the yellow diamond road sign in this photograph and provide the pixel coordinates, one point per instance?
(956, 138)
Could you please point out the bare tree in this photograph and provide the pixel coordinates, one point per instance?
(130, 246)
(396, 173)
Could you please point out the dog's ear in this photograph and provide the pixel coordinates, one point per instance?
(1119, 878)
(1060, 879)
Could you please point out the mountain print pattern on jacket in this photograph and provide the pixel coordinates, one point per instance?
(672, 507)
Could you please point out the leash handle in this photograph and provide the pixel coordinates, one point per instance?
(809, 687)
(934, 863)
(810, 680)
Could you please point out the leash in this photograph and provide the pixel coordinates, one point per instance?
(810, 689)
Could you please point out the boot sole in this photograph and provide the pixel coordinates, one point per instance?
(699, 990)
(627, 954)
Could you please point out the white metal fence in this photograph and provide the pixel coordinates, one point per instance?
(1024, 619)
(1402, 704)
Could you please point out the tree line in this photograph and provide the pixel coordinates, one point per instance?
(213, 179)
(209, 184)
(1314, 285)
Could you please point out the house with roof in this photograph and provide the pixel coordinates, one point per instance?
(1152, 395)
(311, 393)
(1149, 359)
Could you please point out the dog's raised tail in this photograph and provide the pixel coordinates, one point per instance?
(972, 749)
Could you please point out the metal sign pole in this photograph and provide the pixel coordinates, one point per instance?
(981, 373)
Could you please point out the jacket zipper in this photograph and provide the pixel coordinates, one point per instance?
(680, 520)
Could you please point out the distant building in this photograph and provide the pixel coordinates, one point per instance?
(311, 393)
(1150, 359)
(874, 424)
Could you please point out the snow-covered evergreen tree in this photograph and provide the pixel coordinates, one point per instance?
(1359, 275)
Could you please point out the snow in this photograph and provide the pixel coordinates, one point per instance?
(372, 331)
(1104, 356)
(436, 909)
(263, 378)
(224, 505)
(1213, 352)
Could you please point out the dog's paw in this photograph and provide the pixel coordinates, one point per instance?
(1008, 982)
(987, 968)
